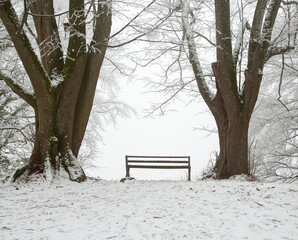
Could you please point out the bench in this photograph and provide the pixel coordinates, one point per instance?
(158, 162)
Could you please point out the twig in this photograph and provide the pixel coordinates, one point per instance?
(280, 81)
(259, 204)
(134, 18)
(25, 16)
(289, 2)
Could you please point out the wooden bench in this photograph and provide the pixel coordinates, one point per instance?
(158, 162)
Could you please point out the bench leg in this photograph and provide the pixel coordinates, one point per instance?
(189, 172)
(127, 171)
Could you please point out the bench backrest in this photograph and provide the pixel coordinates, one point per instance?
(158, 162)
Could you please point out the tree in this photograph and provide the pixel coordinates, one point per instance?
(231, 87)
(64, 85)
(15, 119)
(232, 106)
(273, 130)
(15, 138)
(63, 72)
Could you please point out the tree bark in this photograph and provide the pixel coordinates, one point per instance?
(232, 122)
(233, 138)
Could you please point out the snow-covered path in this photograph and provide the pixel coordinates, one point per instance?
(136, 210)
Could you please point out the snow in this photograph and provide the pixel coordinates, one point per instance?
(56, 80)
(73, 166)
(229, 209)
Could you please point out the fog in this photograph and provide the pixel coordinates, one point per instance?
(174, 133)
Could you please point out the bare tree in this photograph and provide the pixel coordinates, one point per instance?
(232, 106)
(16, 122)
(15, 137)
(64, 85)
(273, 129)
(230, 88)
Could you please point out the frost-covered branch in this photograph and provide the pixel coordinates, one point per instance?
(32, 65)
(273, 51)
(239, 41)
(280, 82)
(193, 55)
(289, 2)
(19, 90)
(168, 100)
(256, 26)
(25, 16)
(133, 19)
(15, 129)
(270, 20)
(138, 37)
(204, 37)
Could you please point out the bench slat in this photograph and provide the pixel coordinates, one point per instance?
(129, 156)
(158, 166)
(155, 161)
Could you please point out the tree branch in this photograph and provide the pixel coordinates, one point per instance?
(37, 75)
(48, 37)
(223, 35)
(94, 62)
(16, 129)
(134, 18)
(259, 43)
(193, 56)
(21, 92)
(159, 107)
(204, 37)
(256, 28)
(155, 26)
(280, 82)
(77, 38)
(269, 21)
(289, 2)
(273, 51)
(25, 16)
(239, 41)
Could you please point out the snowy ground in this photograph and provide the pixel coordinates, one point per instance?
(230, 209)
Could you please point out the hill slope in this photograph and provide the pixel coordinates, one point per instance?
(230, 209)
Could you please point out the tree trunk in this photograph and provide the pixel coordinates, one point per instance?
(233, 157)
(232, 120)
(52, 154)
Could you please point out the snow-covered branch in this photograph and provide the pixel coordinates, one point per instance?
(168, 100)
(155, 26)
(193, 55)
(25, 94)
(257, 26)
(270, 20)
(239, 41)
(133, 19)
(289, 2)
(273, 51)
(32, 65)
